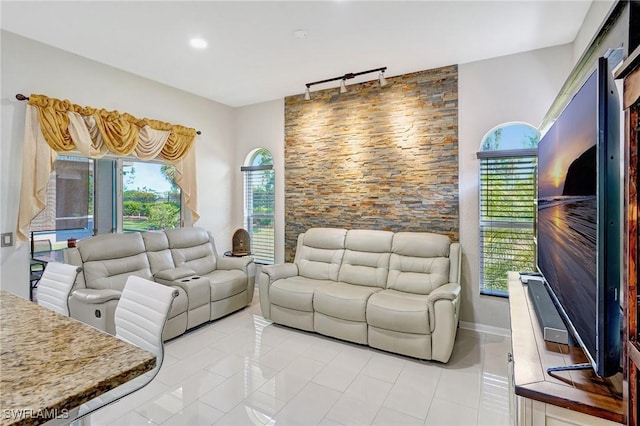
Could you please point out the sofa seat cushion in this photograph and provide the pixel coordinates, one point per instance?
(226, 283)
(398, 311)
(180, 303)
(296, 292)
(344, 301)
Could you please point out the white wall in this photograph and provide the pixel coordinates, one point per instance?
(31, 67)
(596, 15)
(262, 126)
(518, 87)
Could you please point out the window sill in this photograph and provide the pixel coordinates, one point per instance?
(494, 293)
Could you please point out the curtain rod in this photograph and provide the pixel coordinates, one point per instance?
(22, 97)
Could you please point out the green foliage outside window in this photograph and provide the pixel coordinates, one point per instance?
(164, 216)
(152, 206)
(507, 205)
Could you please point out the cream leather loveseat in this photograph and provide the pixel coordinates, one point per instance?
(209, 286)
(399, 292)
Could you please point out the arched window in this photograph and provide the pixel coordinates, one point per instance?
(508, 158)
(259, 202)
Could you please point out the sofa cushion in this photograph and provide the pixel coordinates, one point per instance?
(186, 237)
(295, 292)
(344, 301)
(398, 311)
(191, 247)
(198, 258)
(419, 262)
(417, 275)
(110, 246)
(319, 253)
(158, 253)
(113, 273)
(366, 258)
(226, 283)
(325, 238)
(370, 241)
(109, 259)
(155, 240)
(421, 244)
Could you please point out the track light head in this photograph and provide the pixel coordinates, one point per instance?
(383, 81)
(307, 94)
(343, 87)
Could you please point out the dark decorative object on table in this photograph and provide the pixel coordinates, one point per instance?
(241, 243)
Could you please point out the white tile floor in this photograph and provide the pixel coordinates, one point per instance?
(242, 370)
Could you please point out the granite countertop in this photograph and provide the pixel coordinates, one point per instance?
(50, 364)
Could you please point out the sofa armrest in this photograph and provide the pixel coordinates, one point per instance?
(175, 273)
(268, 275)
(228, 263)
(447, 292)
(450, 291)
(196, 287)
(93, 296)
(278, 272)
(444, 308)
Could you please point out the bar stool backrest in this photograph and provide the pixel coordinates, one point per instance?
(55, 286)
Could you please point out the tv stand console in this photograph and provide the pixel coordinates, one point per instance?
(562, 397)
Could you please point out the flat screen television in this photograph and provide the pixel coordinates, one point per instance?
(578, 225)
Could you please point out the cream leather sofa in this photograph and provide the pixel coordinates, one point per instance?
(209, 286)
(399, 292)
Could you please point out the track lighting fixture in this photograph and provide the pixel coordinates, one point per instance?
(348, 76)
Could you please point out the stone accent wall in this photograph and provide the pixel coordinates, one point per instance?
(374, 158)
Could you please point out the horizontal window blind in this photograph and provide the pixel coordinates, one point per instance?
(259, 190)
(507, 217)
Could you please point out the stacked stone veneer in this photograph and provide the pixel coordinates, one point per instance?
(374, 158)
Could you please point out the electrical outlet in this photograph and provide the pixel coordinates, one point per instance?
(7, 239)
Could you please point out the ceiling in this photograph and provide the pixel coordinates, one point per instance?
(252, 55)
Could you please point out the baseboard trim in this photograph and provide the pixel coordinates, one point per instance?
(482, 328)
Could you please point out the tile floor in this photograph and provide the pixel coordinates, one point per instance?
(242, 370)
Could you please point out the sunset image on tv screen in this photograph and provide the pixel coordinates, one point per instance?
(567, 210)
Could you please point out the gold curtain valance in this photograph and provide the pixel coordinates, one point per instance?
(120, 132)
(54, 125)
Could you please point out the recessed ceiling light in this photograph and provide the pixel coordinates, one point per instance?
(300, 34)
(198, 43)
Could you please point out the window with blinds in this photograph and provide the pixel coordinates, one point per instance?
(507, 216)
(259, 193)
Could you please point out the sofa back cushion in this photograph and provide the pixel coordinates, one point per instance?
(419, 262)
(192, 247)
(156, 244)
(366, 258)
(109, 259)
(319, 253)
